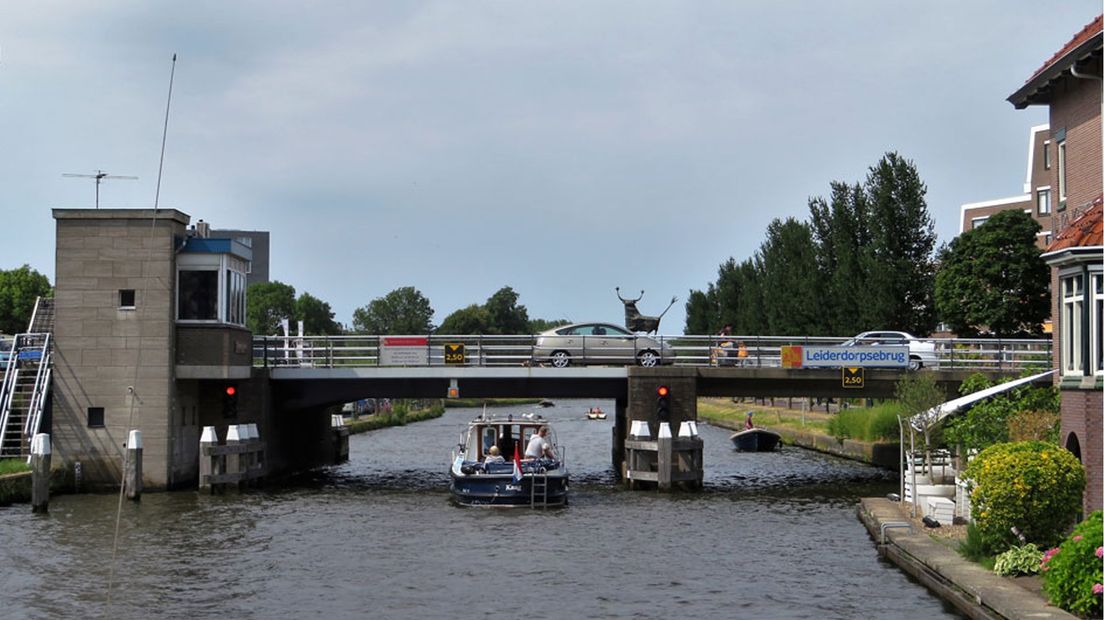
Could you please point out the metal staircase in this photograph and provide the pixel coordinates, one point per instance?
(27, 369)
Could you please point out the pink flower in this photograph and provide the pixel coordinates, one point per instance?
(1077, 538)
(1100, 552)
(1098, 588)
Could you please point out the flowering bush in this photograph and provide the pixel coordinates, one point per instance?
(1032, 485)
(1022, 560)
(1073, 573)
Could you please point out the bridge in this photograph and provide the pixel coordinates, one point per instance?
(150, 334)
(319, 370)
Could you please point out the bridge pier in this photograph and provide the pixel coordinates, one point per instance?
(661, 401)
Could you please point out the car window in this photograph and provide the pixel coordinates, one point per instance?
(568, 331)
(618, 331)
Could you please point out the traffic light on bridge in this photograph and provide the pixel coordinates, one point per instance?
(230, 401)
(663, 407)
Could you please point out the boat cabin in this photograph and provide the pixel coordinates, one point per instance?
(507, 433)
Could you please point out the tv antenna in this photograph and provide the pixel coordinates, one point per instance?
(99, 176)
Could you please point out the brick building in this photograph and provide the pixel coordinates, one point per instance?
(1037, 197)
(1070, 83)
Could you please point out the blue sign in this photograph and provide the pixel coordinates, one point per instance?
(883, 356)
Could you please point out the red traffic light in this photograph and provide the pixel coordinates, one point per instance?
(231, 390)
(661, 390)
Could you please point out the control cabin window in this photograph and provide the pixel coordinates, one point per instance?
(198, 296)
(126, 299)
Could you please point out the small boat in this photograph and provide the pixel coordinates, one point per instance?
(756, 440)
(546, 403)
(596, 413)
(480, 479)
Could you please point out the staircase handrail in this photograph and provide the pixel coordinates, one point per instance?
(41, 388)
(7, 388)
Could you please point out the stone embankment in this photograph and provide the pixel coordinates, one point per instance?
(977, 592)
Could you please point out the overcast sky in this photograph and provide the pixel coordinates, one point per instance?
(561, 148)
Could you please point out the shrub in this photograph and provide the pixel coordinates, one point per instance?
(1034, 425)
(1072, 573)
(972, 548)
(1021, 560)
(1032, 485)
(994, 420)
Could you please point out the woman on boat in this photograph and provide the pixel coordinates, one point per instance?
(747, 421)
(493, 456)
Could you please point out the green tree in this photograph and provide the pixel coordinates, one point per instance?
(316, 315)
(900, 263)
(537, 326)
(994, 278)
(402, 311)
(470, 320)
(701, 312)
(504, 313)
(917, 392)
(987, 422)
(842, 238)
(790, 279)
(266, 304)
(19, 289)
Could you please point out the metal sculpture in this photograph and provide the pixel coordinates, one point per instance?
(637, 322)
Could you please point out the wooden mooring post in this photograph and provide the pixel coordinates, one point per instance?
(340, 438)
(40, 473)
(237, 463)
(665, 461)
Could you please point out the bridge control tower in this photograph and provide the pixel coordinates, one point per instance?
(149, 327)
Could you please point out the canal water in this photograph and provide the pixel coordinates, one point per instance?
(771, 536)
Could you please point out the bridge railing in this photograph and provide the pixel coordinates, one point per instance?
(746, 351)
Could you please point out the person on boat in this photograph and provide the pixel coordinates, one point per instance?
(747, 421)
(493, 456)
(538, 446)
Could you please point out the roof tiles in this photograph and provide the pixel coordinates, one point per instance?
(1085, 231)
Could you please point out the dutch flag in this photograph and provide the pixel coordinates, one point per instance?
(517, 464)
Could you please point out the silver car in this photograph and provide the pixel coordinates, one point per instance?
(921, 352)
(599, 343)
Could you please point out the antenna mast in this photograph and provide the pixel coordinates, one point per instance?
(99, 176)
(164, 134)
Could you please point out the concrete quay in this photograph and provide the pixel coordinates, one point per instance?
(973, 590)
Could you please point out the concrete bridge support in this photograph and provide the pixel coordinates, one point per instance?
(661, 401)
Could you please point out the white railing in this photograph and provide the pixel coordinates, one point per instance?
(982, 354)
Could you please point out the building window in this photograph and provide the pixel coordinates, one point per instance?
(235, 297)
(126, 299)
(1096, 324)
(197, 297)
(1062, 173)
(1073, 299)
(977, 221)
(1046, 155)
(1042, 200)
(95, 417)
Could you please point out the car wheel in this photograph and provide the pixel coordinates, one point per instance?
(915, 363)
(648, 359)
(560, 359)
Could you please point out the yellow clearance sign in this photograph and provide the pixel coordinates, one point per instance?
(454, 353)
(853, 377)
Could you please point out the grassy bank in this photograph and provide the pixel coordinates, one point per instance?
(725, 412)
(400, 415)
(859, 433)
(455, 403)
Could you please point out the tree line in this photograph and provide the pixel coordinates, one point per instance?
(865, 259)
